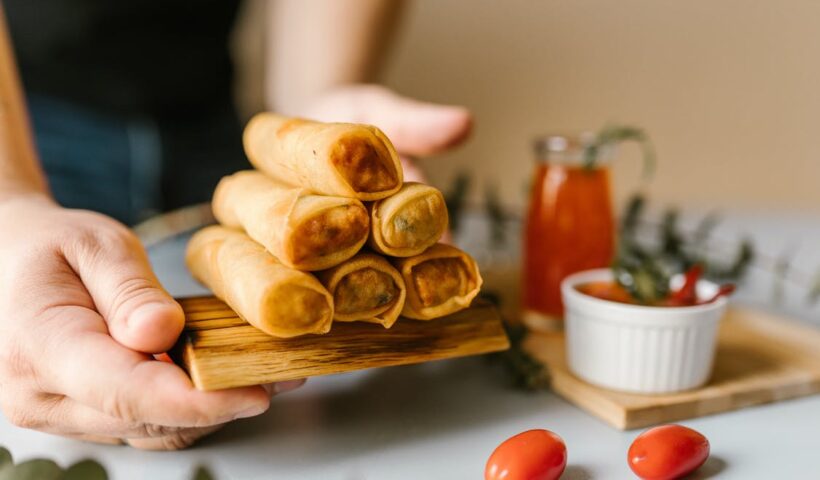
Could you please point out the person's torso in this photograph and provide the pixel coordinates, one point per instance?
(156, 57)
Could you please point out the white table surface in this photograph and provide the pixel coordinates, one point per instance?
(442, 420)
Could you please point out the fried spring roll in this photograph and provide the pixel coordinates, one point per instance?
(365, 288)
(303, 231)
(440, 281)
(409, 222)
(343, 159)
(276, 299)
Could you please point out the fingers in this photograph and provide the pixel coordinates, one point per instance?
(415, 128)
(114, 268)
(60, 415)
(186, 437)
(93, 369)
(97, 439)
(283, 387)
(419, 128)
(176, 441)
(412, 172)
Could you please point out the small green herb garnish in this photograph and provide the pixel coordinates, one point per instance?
(383, 298)
(403, 225)
(644, 268)
(614, 134)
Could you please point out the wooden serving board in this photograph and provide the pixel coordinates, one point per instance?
(220, 350)
(761, 358)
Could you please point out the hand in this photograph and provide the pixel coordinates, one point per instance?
(81, 314)
(415, 128)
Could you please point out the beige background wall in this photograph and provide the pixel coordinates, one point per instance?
(729, 90)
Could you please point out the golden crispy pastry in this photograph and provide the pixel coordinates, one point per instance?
(409, 222)
(342, 159)
(272, 297)
(304, 231)
(365, 288)
(440, 281)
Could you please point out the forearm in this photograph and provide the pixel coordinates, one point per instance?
(20, 173)
(313, 46)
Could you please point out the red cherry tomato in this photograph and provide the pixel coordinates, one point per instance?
(530, 455)
(667, 452)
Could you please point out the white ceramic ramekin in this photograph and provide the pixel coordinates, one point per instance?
(636, 348)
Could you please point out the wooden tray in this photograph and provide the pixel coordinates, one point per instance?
(220, 350)
(761, 358)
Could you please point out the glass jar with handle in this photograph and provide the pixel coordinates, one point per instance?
(569, 225)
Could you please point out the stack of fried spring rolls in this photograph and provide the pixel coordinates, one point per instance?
(302, 211)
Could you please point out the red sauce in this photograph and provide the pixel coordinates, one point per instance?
(570, 227)
(615, 293)
(606, 291)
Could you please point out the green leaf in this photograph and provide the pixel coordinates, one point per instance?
(814, 289)
(496, 214)
(5, 458)
(781, 273)
(671, 238)
(614, 134)
(737, 269)
(632, 217)
(456, 198)
(527, 373)
(202, 473)
(744, 258)
(37, 469)
(700, 239)
(86, 470)
(642, 274)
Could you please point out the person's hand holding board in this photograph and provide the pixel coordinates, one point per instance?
(81, 313)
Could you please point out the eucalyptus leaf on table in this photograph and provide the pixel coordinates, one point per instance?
(5, 458)
(85, 470)
(44, 469)
(203, 473)
(37, 469)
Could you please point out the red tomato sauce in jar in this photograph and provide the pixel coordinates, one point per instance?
(569, 228)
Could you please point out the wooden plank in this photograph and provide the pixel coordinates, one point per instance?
(761, 358)
(219, 350)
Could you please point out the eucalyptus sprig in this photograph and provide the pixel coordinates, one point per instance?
(497, 215)
(525, 371)
(645, 268)
(45, 469)
(814, 291)
(612, 135)
(456, 198)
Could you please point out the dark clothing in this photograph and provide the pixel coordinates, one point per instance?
(128, 167)
(150, 77)
(157, 57)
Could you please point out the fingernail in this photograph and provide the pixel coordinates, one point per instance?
(283, 387)
(156, 318)
(150, 311)
(251, 412)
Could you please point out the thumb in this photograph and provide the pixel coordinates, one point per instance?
(414, 127)
(140, 314)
